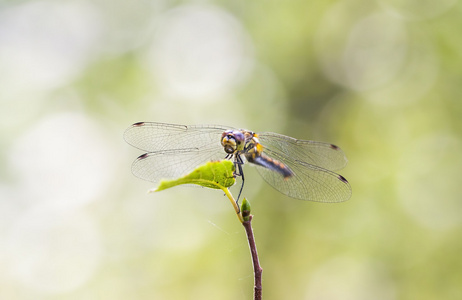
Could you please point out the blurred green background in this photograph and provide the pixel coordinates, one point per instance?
(381, 79)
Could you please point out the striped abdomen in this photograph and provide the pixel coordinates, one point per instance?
(269, 163)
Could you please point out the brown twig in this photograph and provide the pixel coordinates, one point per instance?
(256, 264)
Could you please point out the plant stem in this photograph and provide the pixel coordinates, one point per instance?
(233, 202)
(257, 270)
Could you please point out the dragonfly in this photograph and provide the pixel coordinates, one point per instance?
(300, 169)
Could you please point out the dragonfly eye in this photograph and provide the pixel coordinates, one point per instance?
(238, 137)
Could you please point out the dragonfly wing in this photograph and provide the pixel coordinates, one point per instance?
(309, 182)
(171, 164)
(324, 155)
(152, 136)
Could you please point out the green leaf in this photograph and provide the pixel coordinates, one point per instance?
(214, 175)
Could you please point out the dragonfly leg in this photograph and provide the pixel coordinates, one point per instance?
(238, 163)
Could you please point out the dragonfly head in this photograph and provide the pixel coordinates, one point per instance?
(232, 140)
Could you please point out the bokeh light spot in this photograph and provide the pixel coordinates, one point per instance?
(417, 9)
(199, 51)
(428, 183)
(344, 278)
(53, 251)
(64, 159)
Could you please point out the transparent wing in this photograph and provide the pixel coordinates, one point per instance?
(174, 150)
(309, 182)
(151, 136)
(324, 155)
(171, 164)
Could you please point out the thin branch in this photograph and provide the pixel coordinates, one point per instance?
(233, 202)
(257, 270)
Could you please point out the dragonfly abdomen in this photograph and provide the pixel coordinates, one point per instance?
(269, 163)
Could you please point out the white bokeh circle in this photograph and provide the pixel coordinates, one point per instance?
(53, 251)
(45, 43)
(199, 52)
(360, 52)
(63, 159)
(428, 185)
